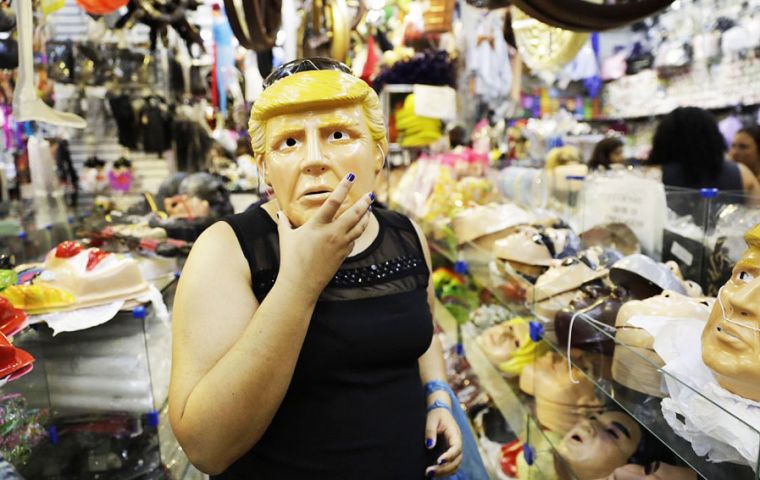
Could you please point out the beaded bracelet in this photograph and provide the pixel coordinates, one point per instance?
(438, 404)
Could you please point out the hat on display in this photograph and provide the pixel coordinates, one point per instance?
(643, 277)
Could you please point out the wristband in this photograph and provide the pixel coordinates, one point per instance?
(435, 386)
(438, 404)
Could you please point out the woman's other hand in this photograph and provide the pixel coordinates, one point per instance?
(312, 253)
(441, 421)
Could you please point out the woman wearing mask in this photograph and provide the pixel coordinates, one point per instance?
(303, 334)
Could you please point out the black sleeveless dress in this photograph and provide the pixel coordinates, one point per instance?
(355, 407)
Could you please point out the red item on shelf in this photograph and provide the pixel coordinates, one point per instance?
(14, 362)
(12, 320)
(95, 256)
(67, 249)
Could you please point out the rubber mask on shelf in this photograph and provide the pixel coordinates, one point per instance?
(599, 444)
(628, 366)
(731, 338)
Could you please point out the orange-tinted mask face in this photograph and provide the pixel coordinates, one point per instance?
(731, 339)
(308, 153)
(599, 444)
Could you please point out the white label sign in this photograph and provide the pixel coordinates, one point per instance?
(637, 202)
(435, 102)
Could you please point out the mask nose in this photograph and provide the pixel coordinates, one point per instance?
(315, 163)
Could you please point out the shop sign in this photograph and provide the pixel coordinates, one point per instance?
(639, 203)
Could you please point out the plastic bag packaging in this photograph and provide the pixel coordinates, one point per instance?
(79, 319)
(707, 424)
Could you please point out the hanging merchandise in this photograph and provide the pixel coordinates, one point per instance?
(614, 66)
(93, 178)
(325, 30)
(159, 16)
(120, 175)
(428, 68)
(584, 66)
(101, 7)
(8, 54)
(155, 125)
(586, 16)
(7, 18)
(488, 61)
(438, 16)
(26, 105)
(224, 60)
(254, 22)
(543, 48)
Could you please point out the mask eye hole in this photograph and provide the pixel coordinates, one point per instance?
(744, 276)
(338, 135)
(288, 144)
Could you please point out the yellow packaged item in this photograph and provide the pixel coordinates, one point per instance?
(38, 298)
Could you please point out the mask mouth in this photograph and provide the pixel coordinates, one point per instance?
(316, 191)
(577, 438)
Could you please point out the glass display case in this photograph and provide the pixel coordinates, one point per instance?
(95, 403)
(600, 356)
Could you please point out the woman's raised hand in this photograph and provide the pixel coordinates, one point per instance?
(312, 253)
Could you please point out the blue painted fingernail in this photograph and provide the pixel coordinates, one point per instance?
(430, 474)
(372, 196)
(441, 461)
(429, 442)
(351, 177)
(370, 208)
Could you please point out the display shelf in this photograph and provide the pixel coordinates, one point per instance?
(516, 407)
(646, 409)
(106, 390)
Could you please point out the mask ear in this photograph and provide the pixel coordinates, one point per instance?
(261, 165)
(381, 150)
